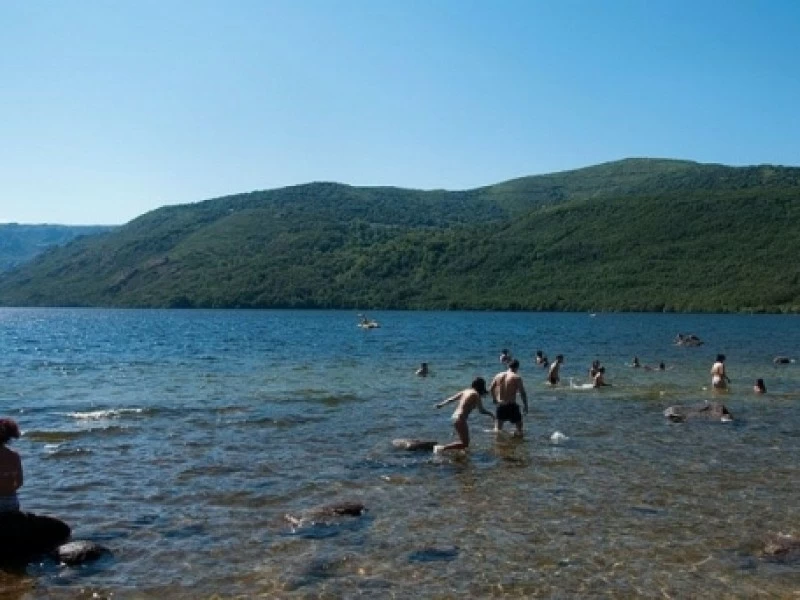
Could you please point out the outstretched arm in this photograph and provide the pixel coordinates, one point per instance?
(452, 398)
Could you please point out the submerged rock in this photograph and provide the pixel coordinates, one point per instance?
(413, 444)
(24, 535)
(79, 552)
(326, 512)
(781, 547)
(434, 553)
(712, 411)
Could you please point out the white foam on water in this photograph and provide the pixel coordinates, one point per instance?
(111, 413)
(558, 437)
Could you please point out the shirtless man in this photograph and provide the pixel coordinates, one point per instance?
(553, 376)
(719, 379)
(504, 388)
(468, 400)
(10, 467)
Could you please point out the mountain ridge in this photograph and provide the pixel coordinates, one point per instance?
(636, 234)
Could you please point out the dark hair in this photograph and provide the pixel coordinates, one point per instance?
(8, 430)
(514, 364)
(561, 357)
(720, 358)
(479, 385)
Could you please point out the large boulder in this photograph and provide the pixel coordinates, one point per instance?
(25, 535)
(711, 411)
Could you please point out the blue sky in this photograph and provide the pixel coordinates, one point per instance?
(111, 108)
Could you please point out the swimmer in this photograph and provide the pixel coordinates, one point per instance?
(423, 370)
(553, 375)
(594, 368)
(540, 359)
(468, 400)
(719, 379)
(10, 468)
(636, 364)
(505, 356)
(599, 378)
(504, 389)
(760, 387)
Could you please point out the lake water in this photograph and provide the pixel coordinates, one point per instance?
(181, 439)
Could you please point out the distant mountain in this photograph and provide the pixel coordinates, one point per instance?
(636, 234)
(20, 243)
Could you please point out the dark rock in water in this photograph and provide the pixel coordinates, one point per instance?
(782, 548)
(413, 444)
(79, 552)
(25, 535)
(712, 411)
(434, 553)
(782, 360)
(322, 513)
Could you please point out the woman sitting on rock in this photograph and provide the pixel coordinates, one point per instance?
(10, 467)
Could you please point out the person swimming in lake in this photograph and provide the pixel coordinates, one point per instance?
(554, 373)
(505, 356)
(10, 467)
(468, 400)
(594, 368)
(760, 387)
(423, 370)
(600, 378)
(541, 359)
(719, 378)
(636, 364)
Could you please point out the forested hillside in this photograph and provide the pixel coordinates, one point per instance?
(636, 234)
(20, 243)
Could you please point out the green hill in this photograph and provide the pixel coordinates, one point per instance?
(637, 234)
(20, 243)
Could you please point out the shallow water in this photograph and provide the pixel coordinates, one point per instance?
(181, 439)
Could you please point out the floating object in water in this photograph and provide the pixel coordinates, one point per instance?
(438, 449)
(558, 437)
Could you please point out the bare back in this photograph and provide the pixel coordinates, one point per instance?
(505, 387)
(10, 471)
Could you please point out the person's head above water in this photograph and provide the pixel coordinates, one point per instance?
(513, 365)
(8, 430)
(720, 358)
(479, 385)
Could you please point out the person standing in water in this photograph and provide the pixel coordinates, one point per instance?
(504, 389)
(505, 356)
(719, 378)
(760, 387)
(10, 468)
(423, 370)
(553, 375)
(468, 400)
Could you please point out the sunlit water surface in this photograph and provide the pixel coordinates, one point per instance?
(180, 439)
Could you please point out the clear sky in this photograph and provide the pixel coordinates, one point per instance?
(111, 108)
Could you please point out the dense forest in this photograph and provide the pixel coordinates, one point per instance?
(20, 243)
(632, 235)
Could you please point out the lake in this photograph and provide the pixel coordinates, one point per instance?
(181, 439)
